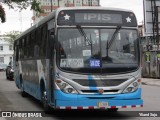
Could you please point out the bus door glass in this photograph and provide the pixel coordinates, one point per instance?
(51, 41)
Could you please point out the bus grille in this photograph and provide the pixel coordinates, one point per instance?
(100, 83)
(96, 91)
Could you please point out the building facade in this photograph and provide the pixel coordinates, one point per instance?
(50, 5)
(141, 30)
(6, 51)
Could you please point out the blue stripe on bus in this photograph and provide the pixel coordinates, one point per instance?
(33, 89)
(94, 102)
(91, 83)
(63, 99)
(59, 95)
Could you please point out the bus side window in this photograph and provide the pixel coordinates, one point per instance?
(37, 43)
(43, 41)
(20, 48)
(32, 43)
(51, 38)
(50, 42)
(17, 53)
(27, 46)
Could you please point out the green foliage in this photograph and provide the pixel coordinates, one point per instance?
(36, 7)
(2, 14)
(11, 36)
(21, 5)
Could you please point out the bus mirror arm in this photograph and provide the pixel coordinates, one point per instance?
(52, 33)
(16, 63)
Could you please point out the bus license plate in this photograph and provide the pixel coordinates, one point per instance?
(103, 104)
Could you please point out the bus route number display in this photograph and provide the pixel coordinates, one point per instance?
(73, 63)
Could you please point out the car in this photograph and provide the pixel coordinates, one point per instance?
(9, 71)
(3, 66)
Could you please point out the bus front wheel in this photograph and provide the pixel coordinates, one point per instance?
(47, 108)
(112, 109)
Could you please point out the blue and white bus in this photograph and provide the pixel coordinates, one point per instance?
(81, 58)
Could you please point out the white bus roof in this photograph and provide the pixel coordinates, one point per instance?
(54, 13)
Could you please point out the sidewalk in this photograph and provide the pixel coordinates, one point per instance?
(151, 81)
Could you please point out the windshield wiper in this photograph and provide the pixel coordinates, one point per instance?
(113, 36)
(108, 44)
(80, 29)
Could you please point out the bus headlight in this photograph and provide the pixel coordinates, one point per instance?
(132, 87)
(65, 87)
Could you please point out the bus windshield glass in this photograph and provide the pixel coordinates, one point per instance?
(97, 50)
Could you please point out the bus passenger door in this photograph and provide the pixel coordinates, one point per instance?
(16, 66)
(51, 40)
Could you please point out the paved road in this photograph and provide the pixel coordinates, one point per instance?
(11, 100)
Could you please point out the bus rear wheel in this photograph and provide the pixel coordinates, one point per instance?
(23, 93)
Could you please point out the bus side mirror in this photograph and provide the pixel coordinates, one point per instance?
(51, 38)
(52, 34)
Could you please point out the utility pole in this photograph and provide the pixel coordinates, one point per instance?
(58, 3)
(51, 5)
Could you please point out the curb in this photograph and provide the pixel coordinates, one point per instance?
(143, 83)
(150, 84)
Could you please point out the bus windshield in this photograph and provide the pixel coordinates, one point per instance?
(97, 50)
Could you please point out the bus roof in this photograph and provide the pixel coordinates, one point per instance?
(92, 8)
(55, 13)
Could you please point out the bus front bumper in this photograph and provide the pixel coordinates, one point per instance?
(73, 101)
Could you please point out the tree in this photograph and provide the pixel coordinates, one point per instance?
(11, 36)
(2, 14)
(21, 4)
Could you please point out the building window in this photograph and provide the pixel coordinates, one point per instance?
(10, 47)
(10, 58)
(1, 59)
(1, 48)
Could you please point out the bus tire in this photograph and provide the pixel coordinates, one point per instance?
(46, 107)
(7, 76)
(112, 109)
(23, 93)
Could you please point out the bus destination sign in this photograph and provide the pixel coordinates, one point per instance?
(96, 17)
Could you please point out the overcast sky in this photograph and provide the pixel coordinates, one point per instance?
(16, 20)
(20, 21)
(135, 5)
